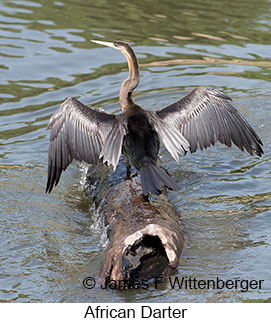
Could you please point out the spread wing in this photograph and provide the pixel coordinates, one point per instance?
(81, 133)
(205, 116)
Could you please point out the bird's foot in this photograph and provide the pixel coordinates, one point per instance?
(130, 176)
(128, 173)
(146, 197)
(127, 177)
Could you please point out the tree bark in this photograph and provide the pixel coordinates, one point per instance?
(145, 237)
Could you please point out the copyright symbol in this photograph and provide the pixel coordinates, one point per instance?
(89, 282)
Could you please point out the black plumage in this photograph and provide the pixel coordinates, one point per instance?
(198, 120)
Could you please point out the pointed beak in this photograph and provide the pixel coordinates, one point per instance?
(105, 43)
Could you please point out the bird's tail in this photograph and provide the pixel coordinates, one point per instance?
(154, 179)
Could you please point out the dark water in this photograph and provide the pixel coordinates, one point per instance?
(49, 243)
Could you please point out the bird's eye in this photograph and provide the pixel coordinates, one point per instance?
(115, 44)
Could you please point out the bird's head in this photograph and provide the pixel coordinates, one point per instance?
(131, 83)
(119, 45)
(123, 47)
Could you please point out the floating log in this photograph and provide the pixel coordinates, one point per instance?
(145, 237)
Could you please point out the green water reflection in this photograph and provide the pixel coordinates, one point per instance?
(51, 243)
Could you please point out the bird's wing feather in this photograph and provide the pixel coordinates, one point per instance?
(205, 116)
(81, 133)
(172, 138)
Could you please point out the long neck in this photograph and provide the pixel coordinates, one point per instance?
(131, 83)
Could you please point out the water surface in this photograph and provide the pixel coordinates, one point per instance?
(50, 243)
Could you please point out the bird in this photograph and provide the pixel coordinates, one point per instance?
(196, 121)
